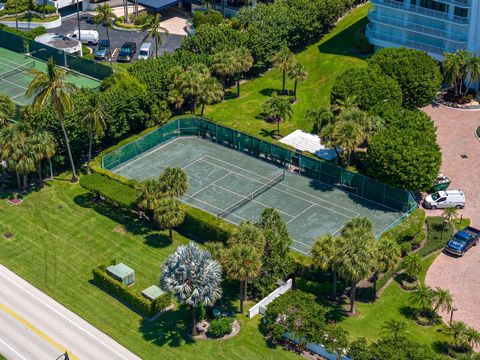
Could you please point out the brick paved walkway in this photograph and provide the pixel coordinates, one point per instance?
(456, 136)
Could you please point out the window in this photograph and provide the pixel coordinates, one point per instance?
(462, 12)
(430, 4)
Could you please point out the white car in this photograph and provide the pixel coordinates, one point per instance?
(445, 199)
(89, 37)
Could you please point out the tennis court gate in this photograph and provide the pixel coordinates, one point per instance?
(309, 166)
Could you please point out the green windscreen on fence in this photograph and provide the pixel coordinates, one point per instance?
(315, 168)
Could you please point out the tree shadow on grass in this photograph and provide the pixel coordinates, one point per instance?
(342, 43)
(157, 240)
(268, 133)
(171, 328)
(408, 312)
(440, 346)
(269, 91)
(131, 224)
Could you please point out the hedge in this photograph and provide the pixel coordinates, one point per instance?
(116, 192)
(408, 229)
(144, 306)
(435, 240)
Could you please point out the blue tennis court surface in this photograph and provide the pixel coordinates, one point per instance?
(223, 180)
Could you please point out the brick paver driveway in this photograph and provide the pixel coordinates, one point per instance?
(456, 137)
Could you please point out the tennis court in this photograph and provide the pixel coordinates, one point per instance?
(238, 187)
(15, 75)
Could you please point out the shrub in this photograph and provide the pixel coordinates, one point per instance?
(435, 239)
(212, 17)
(220, 327)
(124, 293)
(369, 86)
(415, 71)
(30, 34)
(360, 42)
(408, 229)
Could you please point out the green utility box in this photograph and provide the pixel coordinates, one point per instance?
(122, 273)
(442, 183)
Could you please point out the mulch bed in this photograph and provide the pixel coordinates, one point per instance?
(203, 335)
(15, 201)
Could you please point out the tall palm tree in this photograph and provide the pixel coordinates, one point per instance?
(278, 108)
(297, 72)
(149, 194)
(43, 147)
(211, 93)
(24, 162)
(223, 66)
(189, 83)
(320, 118)
(473, 69)
(348, 135)
(462, 337)
(169, 214)
(442, 300)
(12, 141)
(324, 254)
(250, 235)
(452, 70)
(283, 60)
(104, 16)
(173, 182)
(7, 110)
(423, 296)
(388, 254)
(412, 264)
(356, 257)
(94, 122)
(395, 329)
(52, 89)
(193, 277)
(242, 62)
(154, 30)
(349, 103)
(449, 214)
(242, 263)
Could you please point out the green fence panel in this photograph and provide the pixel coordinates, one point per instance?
(188, 126)
(88, 67)
(225, 135)
(12, 42)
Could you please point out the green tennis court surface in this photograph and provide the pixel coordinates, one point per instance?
(15, 75)
(238, 187)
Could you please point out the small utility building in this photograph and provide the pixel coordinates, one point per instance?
(122, 273)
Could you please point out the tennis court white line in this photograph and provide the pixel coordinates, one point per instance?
(145, 155)
(193, 162)
(308, 208)
(288, 187)
(12, 83)
(206, 187)
(213, 206)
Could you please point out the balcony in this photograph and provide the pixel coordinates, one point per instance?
(373, 16)
(421, 11)
(373, 35)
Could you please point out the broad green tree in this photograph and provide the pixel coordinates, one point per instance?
(388, 254)
(297, 73)
(325, 255)
(51, 88)
(154, 30)
(169, 214)
(194, 277)
(173, 181)
(278, 109)
(283, 60)
(94, 122)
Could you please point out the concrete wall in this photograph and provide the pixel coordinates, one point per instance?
(31, 25)
(255, 309)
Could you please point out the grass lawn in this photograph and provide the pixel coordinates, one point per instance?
(35, 19)
(59, 236)
(393, 303)
(324, 61)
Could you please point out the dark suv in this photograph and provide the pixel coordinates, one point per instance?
(127, 51)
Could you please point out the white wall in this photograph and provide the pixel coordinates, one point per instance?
(255, 309)
(31, 25)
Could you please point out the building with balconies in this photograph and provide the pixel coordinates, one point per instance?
(434, 26)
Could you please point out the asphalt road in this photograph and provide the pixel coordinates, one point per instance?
(34, 326)
(117, 37)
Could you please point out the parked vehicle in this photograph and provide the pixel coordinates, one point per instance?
(445, 199)
(146, 51)
(441, 183)
(102, 52)
(127, 51)
(462, 241)
(89, 37)
(88, 19)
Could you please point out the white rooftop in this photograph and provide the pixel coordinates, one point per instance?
(304, 141)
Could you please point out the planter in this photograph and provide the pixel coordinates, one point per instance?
(15, 201)
(408, 285)
(204, 334)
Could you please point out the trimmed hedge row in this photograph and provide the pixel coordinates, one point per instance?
(144, 306)
(409, 233)
(435, 239)
(116, 192)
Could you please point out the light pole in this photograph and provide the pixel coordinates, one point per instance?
(451, 315)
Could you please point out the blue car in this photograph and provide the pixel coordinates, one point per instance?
(102, 52)
(462, 241)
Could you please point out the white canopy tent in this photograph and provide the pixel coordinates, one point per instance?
(303, 141)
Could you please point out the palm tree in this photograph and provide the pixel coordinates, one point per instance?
(473, 69)
(94, 122)
(250, 235)
(452, 70)
(412, 264)
(358, 223)
(388, 254)
(12, 141)
(24, 162)
(320, 118)
(356, 257)
(349, 103)
(215, 248)
(283, 60)
(242, 61)
(154, 30)
(462, 337)
(297, 72)
(223, 66)
(210, 93)
(173, 182)
(104, 16)
(43, 147)
(449, 213)
(348, 135)
(242, 263)
(169, 214)
(324, 255)
(193, 277)
(7, 110)
(423, 296)
(442, 300)
(395, 329)
(278, 109)
(149, 194)
(52, 89)
(190, 83)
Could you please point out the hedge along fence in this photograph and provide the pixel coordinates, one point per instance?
(145, 307)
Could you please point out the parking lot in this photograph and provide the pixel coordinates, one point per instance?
(118, 37)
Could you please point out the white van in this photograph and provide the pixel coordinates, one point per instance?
(146, 51)
(89, 37)
(445, 199)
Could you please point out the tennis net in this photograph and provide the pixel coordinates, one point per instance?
(18, 69)
(252, 196)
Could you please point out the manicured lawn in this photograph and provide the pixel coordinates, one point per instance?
(393, 303)
(35, 19)
(324, 61)
(59, 236)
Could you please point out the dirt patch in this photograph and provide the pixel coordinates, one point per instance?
(120, 229)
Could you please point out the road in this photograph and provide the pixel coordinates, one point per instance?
(34, 326)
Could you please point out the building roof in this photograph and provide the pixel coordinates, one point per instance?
(152, 292)
(121, 270)
(158, 5)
